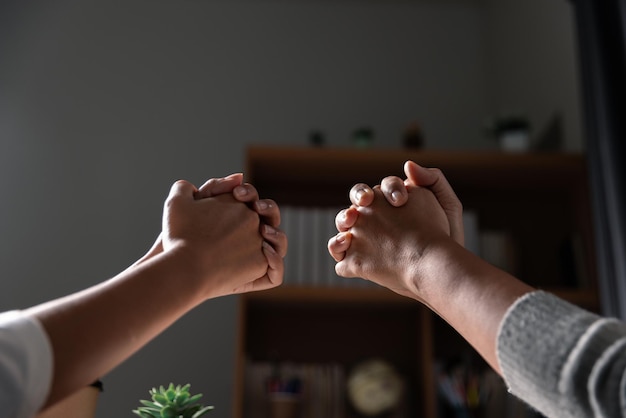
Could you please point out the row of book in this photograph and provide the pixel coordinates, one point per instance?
(319, 390)
(308, 262)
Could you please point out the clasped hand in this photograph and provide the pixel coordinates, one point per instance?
(388, 231)
(228, 235)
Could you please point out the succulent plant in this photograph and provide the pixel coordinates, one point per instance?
(173, 402)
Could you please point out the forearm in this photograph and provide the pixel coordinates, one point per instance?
(468, 293)
(93, 331)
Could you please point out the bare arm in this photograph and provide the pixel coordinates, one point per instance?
(93, 331)
(210, 246)
(470, 294)
(414, 250)
(559, 358)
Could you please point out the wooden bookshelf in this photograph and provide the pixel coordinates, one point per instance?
(539, 199)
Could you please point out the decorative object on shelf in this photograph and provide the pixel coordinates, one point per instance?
(551, 138)
(375, 387)
(413, 136)
(173, 402)
(363, 137)
(512, 132)
(317, 138)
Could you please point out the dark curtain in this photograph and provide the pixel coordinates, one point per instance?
(601, 27)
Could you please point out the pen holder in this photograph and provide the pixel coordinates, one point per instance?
(284, 405)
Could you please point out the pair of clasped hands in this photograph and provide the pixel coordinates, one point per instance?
(222, 239)
(381, 236)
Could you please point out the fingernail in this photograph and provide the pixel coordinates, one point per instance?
(240, 191)
(268, 247)
(269, 230)
(395, 196)
(359, 194)
(341, 238)
(262, 205)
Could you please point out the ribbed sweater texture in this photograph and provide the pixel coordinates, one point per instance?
(563, 360)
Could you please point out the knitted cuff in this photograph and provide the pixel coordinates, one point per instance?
(536, 337)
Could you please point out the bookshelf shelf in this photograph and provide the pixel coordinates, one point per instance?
(315, 295)
(540, 201)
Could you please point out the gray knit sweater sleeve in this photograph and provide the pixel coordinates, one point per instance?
(562, 360)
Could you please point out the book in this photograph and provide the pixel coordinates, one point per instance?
(472, 232)
(498, 248)
(289, 226)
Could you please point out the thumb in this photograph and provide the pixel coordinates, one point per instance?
(436, 182)
(418, 175)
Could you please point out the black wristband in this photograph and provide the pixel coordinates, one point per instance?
(98, 385)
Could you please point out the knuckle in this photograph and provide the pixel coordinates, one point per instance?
(391, 181)
(181, 183)
(340, 218)
(359, 188)
(437, 171)
(340, 269)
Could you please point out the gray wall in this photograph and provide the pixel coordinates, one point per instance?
(104, 104)
(532, 64)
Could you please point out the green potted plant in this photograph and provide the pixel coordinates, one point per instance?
(172, 402)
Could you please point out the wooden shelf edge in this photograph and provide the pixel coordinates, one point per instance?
(312, 294)
(268, 165)
(268, 156)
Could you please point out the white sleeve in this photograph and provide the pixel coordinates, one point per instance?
(25, 365)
